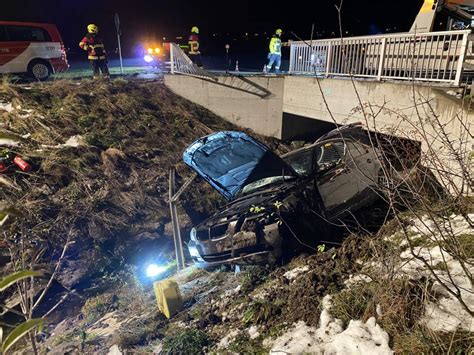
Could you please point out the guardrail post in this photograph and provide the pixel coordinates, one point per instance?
(381, 59)
(292, 58)
(172, 58)
(178, 243)
(328, 59)
(462, 56)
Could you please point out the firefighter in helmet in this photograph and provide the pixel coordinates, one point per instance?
(274, 55)
(94, 46)
(193, 42)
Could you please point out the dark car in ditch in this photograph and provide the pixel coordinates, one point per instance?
(279, 205)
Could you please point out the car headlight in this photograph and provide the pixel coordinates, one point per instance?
(194, 252)
(148, 58)
(193, 235)
(154, 270)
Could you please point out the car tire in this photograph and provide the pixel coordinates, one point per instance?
(39, 70)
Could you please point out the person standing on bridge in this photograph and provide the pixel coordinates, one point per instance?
(94, 46)
(274, 56)
(193, 42)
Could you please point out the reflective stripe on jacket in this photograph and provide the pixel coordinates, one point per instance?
(94, 47)
(193, 42)
(275, 45)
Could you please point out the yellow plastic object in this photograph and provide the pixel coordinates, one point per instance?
(168, 297)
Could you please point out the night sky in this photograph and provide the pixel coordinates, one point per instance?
(151, 20)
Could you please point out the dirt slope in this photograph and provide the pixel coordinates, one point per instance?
(101, 153)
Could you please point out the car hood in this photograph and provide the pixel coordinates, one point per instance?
(241, 205)
(231, 160)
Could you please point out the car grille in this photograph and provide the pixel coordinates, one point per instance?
(218, 231)
(217, 257)
(214, 232)
(228, 254)
(202, 235)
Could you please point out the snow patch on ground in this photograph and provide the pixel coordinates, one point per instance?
(6, 106)
(231, 292)
(356, 279)
(253, 332)
(228, 339)
(75, 141)
(330, 338)
(427, 227)
(7, 142)
(446, 314)
(293, 274)
(114, 350)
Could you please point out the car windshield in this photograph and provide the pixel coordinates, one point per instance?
(264, 182)
(301, 162)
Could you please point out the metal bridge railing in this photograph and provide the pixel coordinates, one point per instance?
(180, 63)
(432, 57)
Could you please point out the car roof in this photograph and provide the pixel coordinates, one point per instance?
(18, 23)
(353, 132)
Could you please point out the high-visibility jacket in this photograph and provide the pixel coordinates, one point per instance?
(193, 42)
(94, 46)
(275, 45)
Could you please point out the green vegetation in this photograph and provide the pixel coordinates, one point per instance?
(140, 331)
(97, 306)
(190, 341)
(466, 241)
(87, 72)
(22, 330)
(242, 344)
(260, 312)
(252, 276)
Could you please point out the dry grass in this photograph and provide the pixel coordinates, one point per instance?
(118, 182)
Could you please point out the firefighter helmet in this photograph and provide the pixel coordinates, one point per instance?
(278, 32)
(92, 28)
(195, 29)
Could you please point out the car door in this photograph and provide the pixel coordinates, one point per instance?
(5, 51)
(336, 182)
(15, 49)
(366, 167)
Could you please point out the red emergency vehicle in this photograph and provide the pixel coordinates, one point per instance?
(29, 48)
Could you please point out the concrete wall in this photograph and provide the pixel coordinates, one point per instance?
(297, 97)
(231, 99)
(393, 103)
